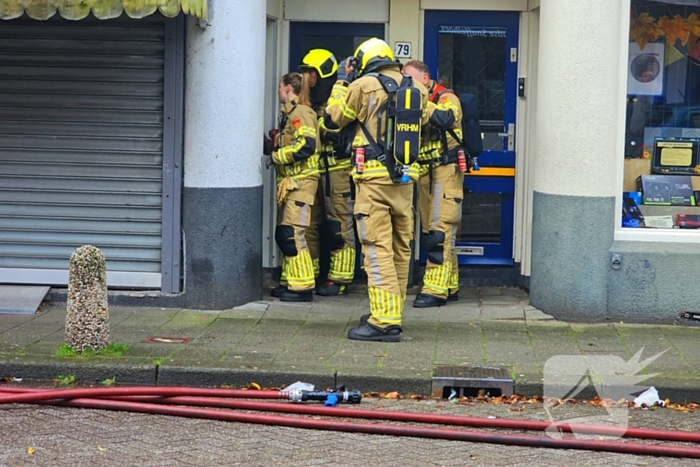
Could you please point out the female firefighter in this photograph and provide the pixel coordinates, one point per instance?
(294, 152)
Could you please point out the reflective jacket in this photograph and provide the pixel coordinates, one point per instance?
(327, 153)
(433, 138)
(297, 142)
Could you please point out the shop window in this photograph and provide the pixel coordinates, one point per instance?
(662, 136)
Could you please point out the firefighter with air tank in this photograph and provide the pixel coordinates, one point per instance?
(388, 110)
(440, 192)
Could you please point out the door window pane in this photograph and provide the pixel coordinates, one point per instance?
(472, 60)
(481, 218)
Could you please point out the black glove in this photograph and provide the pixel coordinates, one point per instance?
(349, 69)
(267, 145)
(333, 137)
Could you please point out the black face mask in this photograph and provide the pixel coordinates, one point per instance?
(322, 91)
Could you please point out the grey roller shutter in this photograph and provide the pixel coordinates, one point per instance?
(81, 147)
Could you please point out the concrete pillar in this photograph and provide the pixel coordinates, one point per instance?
(578, 132)
(222, 201)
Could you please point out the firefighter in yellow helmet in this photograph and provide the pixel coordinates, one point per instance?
(440, 194)
(335, 187)
(319, 68)
(293, 149)
(383, 207)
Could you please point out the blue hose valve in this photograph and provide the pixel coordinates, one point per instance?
(331, 401)
(476, 164)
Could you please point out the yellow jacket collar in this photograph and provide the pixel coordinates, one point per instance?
(288, 107)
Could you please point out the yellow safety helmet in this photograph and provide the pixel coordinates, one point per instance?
(373, 54)
(321, 60)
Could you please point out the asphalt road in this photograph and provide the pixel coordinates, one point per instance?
(48, 436)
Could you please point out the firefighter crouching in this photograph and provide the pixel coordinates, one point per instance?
(384, 181)
(334, 188)
(294, 152)
(440, 193)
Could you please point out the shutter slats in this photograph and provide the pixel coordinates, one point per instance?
(90, 213)
(81, 129)
(28, 262)
(42, 101)
(85, 87)
(83, 185)
(81, 61)
(74, 156)
(78, 46)
(81, 142)
(56, 224)
(110, 75)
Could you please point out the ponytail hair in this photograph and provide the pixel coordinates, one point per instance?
(300, 85)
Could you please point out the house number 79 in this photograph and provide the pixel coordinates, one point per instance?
(403, 50)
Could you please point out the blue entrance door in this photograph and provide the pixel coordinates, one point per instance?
(477, 53)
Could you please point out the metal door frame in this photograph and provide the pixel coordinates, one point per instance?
(173, 129)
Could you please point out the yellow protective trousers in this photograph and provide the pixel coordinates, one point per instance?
(384, 216)
(440, 216)
(313, 233)
(339, 206)
(293, 220)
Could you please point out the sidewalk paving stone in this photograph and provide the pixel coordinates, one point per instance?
(533, 314)
(598, 338)
(499, 300)
(509, 347)
(498, 312)
(549, 339)
(653, 341)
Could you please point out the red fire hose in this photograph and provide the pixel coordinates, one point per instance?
(76, 398)
(229, 402)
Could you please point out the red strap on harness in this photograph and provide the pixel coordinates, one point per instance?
(438, 90)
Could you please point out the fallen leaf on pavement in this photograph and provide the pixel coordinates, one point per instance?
(101, 448)
(30, 450)
(254, 387)
(390, 395)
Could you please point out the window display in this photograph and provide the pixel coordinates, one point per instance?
(662, 139)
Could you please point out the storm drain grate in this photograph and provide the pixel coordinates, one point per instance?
(167, 340)
(470, 380)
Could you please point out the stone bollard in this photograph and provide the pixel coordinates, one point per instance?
(87, 316)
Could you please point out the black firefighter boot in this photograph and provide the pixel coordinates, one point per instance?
(428, 301)
(292, 296)
(278, 291)
(331, 289)
(367, 332)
